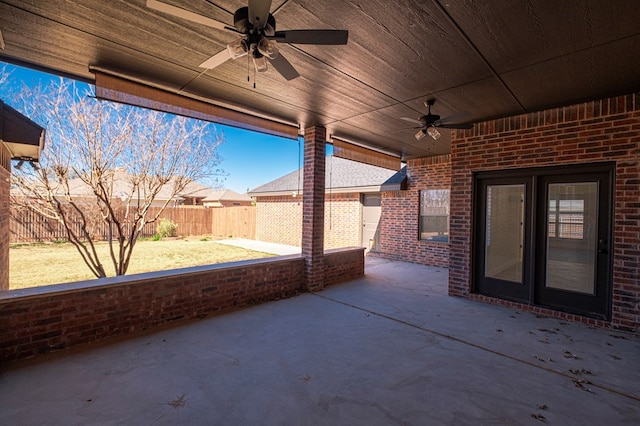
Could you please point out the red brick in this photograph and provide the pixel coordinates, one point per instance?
(313, 207)
(399, 223)
(597, 136)
(51, 320)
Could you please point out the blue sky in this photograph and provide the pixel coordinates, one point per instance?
(250, 159)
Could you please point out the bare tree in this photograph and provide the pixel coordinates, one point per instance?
(4, 75)
(104, 164)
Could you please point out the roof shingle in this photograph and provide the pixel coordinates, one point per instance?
(340, 173)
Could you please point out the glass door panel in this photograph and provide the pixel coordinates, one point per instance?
(573, 260)
(504, 235)
(543, 236)
(571, 238)
(501, 239)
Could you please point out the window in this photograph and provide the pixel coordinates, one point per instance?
(434, 215)
(566, 216)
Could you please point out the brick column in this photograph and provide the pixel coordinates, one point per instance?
(5, 167)
(313, 207)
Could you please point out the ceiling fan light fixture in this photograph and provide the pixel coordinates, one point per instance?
(421, 134)
(260, 62)
(238, 48)
(268, 48)
(434, 133)
(258, 29)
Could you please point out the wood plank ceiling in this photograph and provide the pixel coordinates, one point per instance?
(490, 58)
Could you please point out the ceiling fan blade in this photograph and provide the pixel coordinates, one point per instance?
(259, 12)
(284, 67)
(325, 37)
(411, 120)
(455, 126)
(217, 59)
(454, 117)
(185, 14)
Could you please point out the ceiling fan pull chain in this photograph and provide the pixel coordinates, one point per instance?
(248, 69)
(256, 28)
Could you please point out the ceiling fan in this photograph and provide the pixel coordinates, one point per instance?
(258, 36)
(429, 122)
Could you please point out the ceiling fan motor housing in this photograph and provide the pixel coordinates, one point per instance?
(242, 24)
(257, 30)
(429, 119)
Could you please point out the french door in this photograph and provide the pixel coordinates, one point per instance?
(503, 241)
(543, 236)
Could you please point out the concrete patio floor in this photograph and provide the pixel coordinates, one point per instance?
(389, 349)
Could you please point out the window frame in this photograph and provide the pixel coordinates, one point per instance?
(423, 218)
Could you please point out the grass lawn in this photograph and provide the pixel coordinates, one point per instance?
(33, 265)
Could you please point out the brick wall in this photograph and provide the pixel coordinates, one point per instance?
(312, 245)
(279, 220)
(342, 220)
(343, 265)
(45, 319)
(5, 168)
(604, 130)
(399, 223)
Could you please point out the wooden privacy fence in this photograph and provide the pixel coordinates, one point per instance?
(28, 226)
(191, 220)
(237, 221)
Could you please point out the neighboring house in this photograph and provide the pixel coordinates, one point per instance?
(226, 198)
(194, 194)
(352, 204)
(189, 209)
